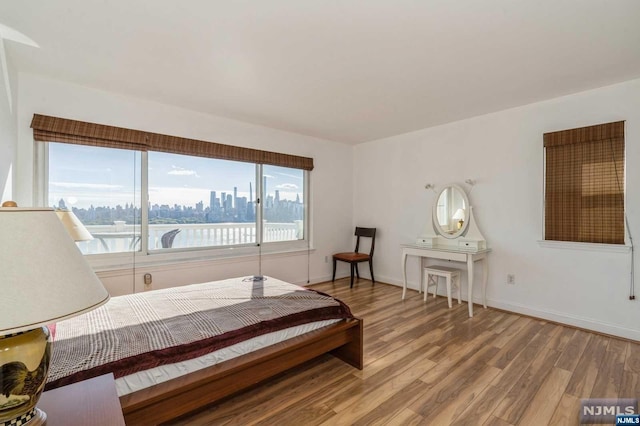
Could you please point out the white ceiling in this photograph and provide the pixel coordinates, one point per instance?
(350, 71)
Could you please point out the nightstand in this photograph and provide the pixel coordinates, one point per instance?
(91, 402)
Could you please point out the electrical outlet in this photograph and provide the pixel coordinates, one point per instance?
(147, 279)
(511, 279)
(326, 259)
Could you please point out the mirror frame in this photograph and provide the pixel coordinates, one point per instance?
(467, 212)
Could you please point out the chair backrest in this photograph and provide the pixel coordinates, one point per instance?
(367, 233)
(168, 237)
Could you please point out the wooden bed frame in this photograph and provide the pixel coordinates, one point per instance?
(179, 396)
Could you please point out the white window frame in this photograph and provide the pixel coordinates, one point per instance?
(576, 245)
(147, 257)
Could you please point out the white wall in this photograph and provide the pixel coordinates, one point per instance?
(331, 179)
(503, 152)
(8, 138)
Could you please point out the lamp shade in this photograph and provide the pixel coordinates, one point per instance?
(459, 214)
(74, 227)
(43, 276)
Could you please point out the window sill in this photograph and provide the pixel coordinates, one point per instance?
(175, 259)
(571, 245)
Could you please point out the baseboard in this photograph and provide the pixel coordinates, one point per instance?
(318, 280)
(545, 314)
(393, 281)
(563, 318)
(325, 278)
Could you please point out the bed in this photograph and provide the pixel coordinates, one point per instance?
(175, 350)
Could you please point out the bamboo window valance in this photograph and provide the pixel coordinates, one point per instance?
(55, 129)
(595, 133)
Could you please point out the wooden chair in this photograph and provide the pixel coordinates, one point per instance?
(353, 258)
(168, 237)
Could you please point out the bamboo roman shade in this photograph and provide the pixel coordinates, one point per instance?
(584, 184)
(55, 129)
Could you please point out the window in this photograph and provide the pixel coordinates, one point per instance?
(584, 184)
(100, 185)
(206, 202)
(211, 202)
(195, 202)
(283, 208)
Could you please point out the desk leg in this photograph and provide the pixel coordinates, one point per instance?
(404, 274)
(470, 283)
(485, 277)
(421, 274)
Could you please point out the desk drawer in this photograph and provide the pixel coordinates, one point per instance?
(470, 244)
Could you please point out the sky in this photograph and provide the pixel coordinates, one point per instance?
(85, 176)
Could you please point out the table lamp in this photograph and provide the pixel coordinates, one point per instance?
(43, 279)
(74, 227)
(459, 216)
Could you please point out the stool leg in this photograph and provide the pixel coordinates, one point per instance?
(448, 281)
(435, 279)
(459, 288)
(424, 283)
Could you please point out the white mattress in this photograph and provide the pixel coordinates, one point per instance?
(153, 376)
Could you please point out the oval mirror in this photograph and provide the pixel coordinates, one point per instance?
(451, 212)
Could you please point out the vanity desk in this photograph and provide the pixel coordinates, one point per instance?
(452, 254)
(457, 239)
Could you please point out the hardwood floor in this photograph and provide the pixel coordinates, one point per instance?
(427, 364)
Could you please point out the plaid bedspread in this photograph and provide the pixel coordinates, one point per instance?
(141, 331)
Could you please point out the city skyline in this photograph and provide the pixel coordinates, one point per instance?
(82, 178)
(223, 209)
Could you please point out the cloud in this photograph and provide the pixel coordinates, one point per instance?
(183, 173)
(179, 171)
(287, 186)
(76, 185)
(96, 199)
(299, 177)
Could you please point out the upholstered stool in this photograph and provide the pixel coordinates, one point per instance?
(451, 276)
